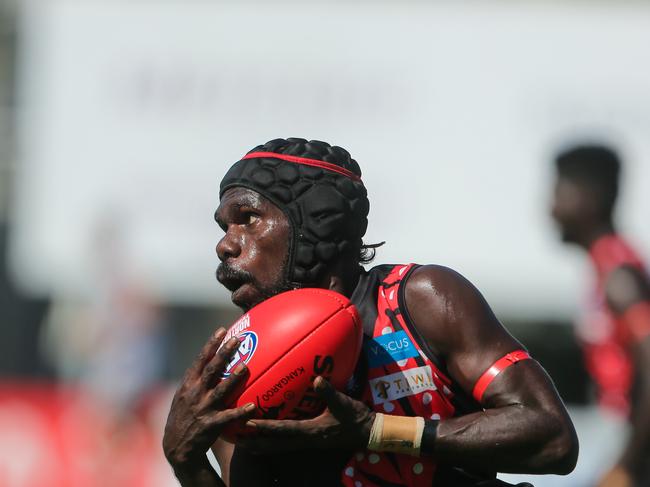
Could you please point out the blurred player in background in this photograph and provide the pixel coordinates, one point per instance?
(614, 330)
(462, 400)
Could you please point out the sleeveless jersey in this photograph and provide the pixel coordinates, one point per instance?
(604, 338)
(402, 377)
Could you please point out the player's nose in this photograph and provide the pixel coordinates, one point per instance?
(228, 247)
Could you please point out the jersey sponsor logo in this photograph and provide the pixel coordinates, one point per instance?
(401, 384)
(389, 348)
(243, 355)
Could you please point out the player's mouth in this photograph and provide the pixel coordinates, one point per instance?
(232, 278)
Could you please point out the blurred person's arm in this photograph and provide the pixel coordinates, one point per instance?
(628, 295)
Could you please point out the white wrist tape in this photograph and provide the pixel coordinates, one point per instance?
(399, 434)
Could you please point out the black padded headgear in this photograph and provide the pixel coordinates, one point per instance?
(319, 188)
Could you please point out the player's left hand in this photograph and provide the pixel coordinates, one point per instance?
(345, 423)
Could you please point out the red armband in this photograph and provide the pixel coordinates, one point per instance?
(637, 320)
(497, 367)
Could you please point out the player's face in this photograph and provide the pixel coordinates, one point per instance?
(568, 208)
(255, 249)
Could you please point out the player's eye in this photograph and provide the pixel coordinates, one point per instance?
(250, 218)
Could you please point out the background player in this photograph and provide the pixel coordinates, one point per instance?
(461, 402)
(615, 328)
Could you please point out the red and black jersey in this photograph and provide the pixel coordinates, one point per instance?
(402, 376)
(604, 337)
(398, 373)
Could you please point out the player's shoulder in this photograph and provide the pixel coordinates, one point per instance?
(418, 275)
(432, 284)
(445, 306)
(436, 277)
(441, 292)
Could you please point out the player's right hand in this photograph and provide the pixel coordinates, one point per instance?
(198, 413)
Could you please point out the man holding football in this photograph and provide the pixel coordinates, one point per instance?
(294, 213)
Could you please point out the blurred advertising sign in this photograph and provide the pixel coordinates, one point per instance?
(132, 112)
(61, 437)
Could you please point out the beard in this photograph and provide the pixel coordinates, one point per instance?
(233, 278)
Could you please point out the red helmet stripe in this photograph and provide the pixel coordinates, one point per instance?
(307, 162)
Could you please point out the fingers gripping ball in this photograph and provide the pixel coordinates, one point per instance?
(287, 341)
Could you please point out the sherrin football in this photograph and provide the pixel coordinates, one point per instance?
(288, 340)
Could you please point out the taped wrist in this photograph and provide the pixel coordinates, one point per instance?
(398, 434)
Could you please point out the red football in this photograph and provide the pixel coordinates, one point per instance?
(288, 340)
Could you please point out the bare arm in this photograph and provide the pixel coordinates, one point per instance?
(525, 427)
(628, 295)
